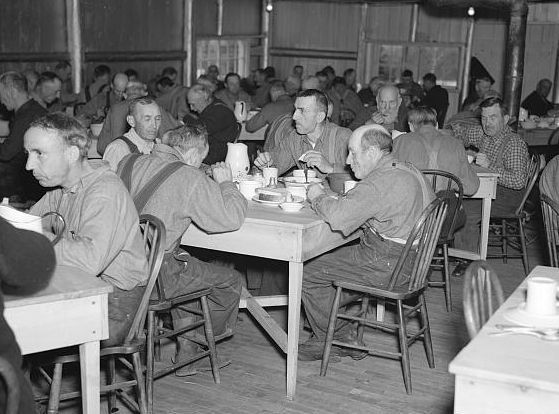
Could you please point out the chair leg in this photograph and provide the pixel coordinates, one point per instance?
(140, 386)
(150, 355)
(403, 338)
(380, 309)
(446, 275)
(111, 379)
(523, 246)
(54, 394)
(505, 240)
(364, 313)
(427, 340)
(330, 332)
(210, 339)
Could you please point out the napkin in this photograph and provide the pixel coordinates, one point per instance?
(21, 220)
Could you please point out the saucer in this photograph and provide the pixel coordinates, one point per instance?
(519, 315)
(277, 203)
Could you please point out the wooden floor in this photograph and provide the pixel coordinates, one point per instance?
(255, 380)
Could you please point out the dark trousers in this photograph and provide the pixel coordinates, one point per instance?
(370, 263)
(182, 274)
(123, 305)
(506, 201)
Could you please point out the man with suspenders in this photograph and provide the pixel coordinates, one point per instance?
(429, 148)
(386, 204)
(144, 117)
(169, 185)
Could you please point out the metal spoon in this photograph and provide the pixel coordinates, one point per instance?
(306, 169)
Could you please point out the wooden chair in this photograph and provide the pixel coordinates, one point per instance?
(128, 352)
(422, 240)
(550, 213)
(195, 303)
(10, 383)
(506, 228)
(482, 295)
(447, 186)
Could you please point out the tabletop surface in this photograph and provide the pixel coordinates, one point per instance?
(517, 359)
(66, 283)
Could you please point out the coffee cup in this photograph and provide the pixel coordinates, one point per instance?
(541, 296)
(349, 184)
(270, 175)
(248, 188)
(471, 158)
(301, 173)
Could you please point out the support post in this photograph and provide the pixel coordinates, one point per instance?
(74, 40)
(514, 63)
(265, 32)
(362, 48)
(468, 57)
(556, 80)
(219, 30)
(187, 43)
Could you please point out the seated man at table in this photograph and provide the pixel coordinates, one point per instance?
(502, 151)
(536, 103)
(386, 204)
(427, 147)
(281, 104)
(186, 196)
(47, 91)
(216, 117)
(14, 179)
(390, 113)
(317, 142)
(102, 232)
(233, 92)
(100, 104)
(172, 97)
(144, 118)
(115, 124)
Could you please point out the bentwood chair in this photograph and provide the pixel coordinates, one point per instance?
(550, 213)
(195, 304)
(482, 295)
(449, 187)
(508, 230)
(10, 383)
(128, 352)
(407, 295)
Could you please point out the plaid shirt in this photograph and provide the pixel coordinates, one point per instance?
(506, 152)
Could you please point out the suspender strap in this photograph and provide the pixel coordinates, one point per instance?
(124, 170)
(131, 146)
(143, 196)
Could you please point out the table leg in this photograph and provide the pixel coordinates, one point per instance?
(294, 316)
(90, 368)
(484, 236)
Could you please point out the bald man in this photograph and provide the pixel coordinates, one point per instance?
(99, 105)
(390, 113)
(386, 217)
(219, 120)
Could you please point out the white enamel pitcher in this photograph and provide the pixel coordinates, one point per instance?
(237, 158)
(241, 111)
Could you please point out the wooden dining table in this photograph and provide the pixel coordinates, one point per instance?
(508, 374)
(71, 310)
(486, 192)
(269, 232)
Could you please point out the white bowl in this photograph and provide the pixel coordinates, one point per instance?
(301, 173)
(291, 207)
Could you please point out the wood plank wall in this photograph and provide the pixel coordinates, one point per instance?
(302, 32)
(333, 27)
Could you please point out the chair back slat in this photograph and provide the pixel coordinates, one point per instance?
(483, 294)
(550, 212)
(154, 237)
(537, 164)
(422, 239)
(452, 187)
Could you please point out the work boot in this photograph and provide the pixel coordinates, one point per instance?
(188, 349)
(313, 349)
(461, 267)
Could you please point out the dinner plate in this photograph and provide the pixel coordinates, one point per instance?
(297, 180)
(276, 203)
(519, 315)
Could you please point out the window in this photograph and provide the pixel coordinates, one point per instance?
(228, 55)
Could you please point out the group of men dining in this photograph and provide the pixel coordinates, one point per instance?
(97, 200)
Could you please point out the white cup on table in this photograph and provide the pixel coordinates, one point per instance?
(248, 188)
(541, 296)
